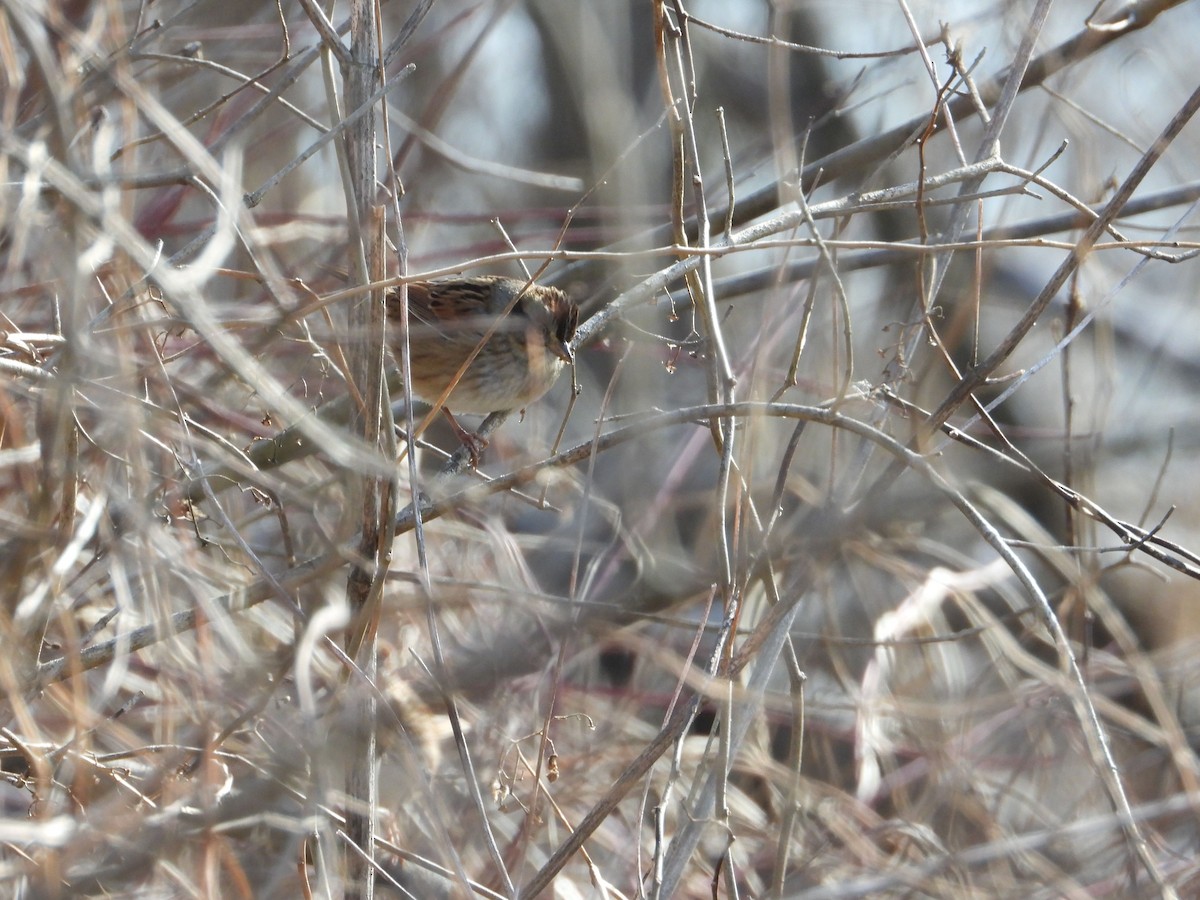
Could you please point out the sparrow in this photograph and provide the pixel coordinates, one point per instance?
(526, 351)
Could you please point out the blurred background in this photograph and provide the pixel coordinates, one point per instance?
(856, 557)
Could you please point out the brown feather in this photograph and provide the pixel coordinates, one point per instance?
(515, 365)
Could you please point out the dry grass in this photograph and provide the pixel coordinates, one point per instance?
(861, 567)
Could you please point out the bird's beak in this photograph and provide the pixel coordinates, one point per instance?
(562, 350)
